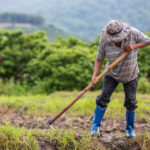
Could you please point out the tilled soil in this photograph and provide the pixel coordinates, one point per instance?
(112, 130)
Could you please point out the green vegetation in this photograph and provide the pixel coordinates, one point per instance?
(51, 31)
(32, 64)
(14, 137)
(84, 18)
(52, 104)
(21, 138)
(70, 140)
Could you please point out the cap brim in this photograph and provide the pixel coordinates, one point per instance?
(106, 37)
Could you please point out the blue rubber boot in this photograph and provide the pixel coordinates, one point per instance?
(130, 116)
(98, 116)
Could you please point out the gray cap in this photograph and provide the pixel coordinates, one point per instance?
(115, 31)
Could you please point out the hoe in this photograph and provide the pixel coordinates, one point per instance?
(119, 59)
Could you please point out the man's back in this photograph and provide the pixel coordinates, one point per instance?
(127, 69)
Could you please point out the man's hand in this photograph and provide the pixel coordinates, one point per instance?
(129, 47)
(94, 80)
(98, 64)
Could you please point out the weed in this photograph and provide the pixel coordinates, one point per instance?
(70, 140)
(16, 138)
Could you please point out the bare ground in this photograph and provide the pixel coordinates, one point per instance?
(112, 130)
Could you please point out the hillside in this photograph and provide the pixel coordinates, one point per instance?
(29, 23)
(84, 18)
(52, 32)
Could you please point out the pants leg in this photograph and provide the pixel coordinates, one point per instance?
(130, 94)
(109, 85)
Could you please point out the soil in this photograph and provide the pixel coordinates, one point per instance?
(112, 133)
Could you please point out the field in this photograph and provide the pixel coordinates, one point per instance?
(23, 123)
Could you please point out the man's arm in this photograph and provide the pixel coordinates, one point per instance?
(130, 47)
(97, 67)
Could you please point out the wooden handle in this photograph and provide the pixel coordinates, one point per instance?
(90, 86)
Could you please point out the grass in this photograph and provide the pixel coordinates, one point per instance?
(54, 103)
(16, 138)
(70, 140)
(13, 138)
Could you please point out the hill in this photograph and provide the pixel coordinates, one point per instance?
(29, 23)
(52, 32)
(84, 18)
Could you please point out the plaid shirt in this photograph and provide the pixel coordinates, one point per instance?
(127, 69)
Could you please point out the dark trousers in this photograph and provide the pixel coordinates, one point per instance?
(110, 84)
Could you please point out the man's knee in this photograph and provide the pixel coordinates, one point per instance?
(102, 100)
(131, 104)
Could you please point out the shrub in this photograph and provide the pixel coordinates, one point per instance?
(144, 85)
(65, 64)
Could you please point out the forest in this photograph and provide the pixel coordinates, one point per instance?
(21, 18)
(31, 61)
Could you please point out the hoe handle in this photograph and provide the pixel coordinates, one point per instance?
(90, 86)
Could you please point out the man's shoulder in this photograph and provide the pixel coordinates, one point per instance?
(134, 30)
(105, 44)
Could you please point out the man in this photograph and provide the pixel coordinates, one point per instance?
(117, 37)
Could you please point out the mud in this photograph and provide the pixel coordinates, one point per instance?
(112, 130)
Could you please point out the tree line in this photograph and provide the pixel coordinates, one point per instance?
(65, 64)
(21, 18)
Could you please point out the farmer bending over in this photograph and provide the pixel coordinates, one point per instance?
(117, 37)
